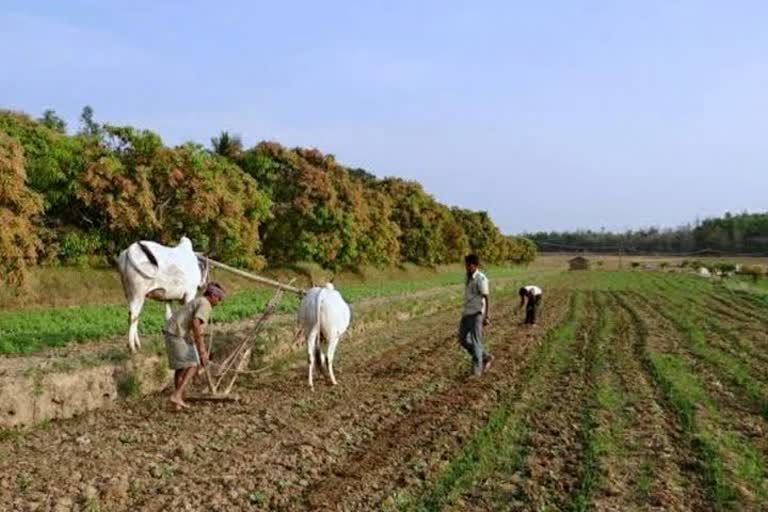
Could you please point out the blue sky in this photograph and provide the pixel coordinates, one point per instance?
(550, 115)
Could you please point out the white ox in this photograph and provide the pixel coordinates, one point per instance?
(323, 314)
(148, 269)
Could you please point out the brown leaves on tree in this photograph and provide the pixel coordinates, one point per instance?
(19, 242)
(110, 185)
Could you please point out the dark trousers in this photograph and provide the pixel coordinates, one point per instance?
(471, 338)
(530, 309)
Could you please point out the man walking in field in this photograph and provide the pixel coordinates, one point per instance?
(184, 339)
(531, 294)
(475, 315)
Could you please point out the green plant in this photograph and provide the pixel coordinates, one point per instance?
(128, 384)
(257, 498)
(23, 481)
(92, 505)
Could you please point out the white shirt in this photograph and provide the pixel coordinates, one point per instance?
(474, 289)
(533, 288)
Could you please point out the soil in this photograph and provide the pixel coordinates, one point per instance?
(404, 409)
(405, 395)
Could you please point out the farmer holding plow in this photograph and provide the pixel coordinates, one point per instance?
(184, 339)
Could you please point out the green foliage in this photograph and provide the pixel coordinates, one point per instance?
(429, 232)
(28, 331)
(226, 145)
(128, 385)
(724, 266)
(108, 185)
(257, 498)
(88, 126)
(743, 233)
(52, 121)
(74, 247)
(746, 232)
(52, 163)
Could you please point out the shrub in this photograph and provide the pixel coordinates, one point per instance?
(724, 266)
(74, 247)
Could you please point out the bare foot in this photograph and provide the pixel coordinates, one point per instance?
(179, 403)
(487, 362)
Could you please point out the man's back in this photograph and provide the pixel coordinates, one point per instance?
(533, 290)
(180, 322)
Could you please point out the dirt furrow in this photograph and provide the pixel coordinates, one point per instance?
(262, 452)
(555, 467)
(147, 441)
(405, 452)
(726, 433)
(643, 462)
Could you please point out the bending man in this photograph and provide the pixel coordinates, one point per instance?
(532, 294)
(184, 339)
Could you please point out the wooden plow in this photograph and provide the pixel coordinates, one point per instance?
(222, 376)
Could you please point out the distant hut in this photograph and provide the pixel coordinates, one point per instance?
(578, 263)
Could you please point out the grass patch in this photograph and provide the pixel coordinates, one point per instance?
(29, 331)
(728, 461)
(128, 385)
(592, 442)
(683, 318)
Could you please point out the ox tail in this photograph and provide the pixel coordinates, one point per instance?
(318, 348)
(148, 253)
(137, 267)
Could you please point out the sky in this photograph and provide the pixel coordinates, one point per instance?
(549, 115)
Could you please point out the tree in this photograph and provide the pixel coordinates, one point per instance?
(422, 222)
(52, 161)
(485, 239)
(88, 126)
(19, 242)
(226, 145)
(107, 185)
(141, 189)
(54, 122)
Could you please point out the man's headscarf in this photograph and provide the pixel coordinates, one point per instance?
(215, 289)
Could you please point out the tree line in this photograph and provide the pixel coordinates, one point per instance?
(83, 196)
(745, 233)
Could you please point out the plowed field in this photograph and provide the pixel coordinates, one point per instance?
(636, 391)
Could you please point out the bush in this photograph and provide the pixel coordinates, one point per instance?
(696, 264)
(724, 267)
(75, 247)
